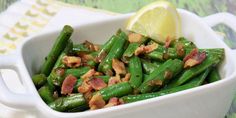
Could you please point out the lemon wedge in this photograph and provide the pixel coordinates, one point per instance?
(158, 20)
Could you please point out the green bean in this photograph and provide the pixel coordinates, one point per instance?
(69, 102)
(77, 72)
(79, 108)
(129, 52)
(162, 54)
(46, 94)
(148, 67)
(197, 81)
(194, 71)
(185, 43)
(213, 76)
(135, 68)
(39, 80)
(115, 52)
(53, 77)
(134, 98)
(56, 50)
(78, 48)
(117, 90)
(161, 75)
(107, 46)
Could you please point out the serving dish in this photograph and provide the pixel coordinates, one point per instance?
(208, 101)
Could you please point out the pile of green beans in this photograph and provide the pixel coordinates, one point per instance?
(152, 74)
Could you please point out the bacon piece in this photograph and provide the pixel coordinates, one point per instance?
(167, 43)
(89, 45)
(145, 49)
(191, 54)
(71, 61)
(150, 48)
(85, 87)
(139, 50)
(85, 57)
(114, 80)
(60, 71)
(68, 84)
(194, 58)
(97, 83)
(135, 38)
(113, 102)
(180, 50)
(88, 74)
(168, 74)
(97, 102)
(88, 95)
(118, 66)
(155, 83)
(126, 78)
(101, 56)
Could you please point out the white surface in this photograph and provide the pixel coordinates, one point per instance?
(210, 101)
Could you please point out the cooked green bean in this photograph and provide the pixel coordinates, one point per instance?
(161, 75)
(56, 50)
(39, 80)
(148, 67)
(197, 81)
(46, 94)
(192, 72)
(213, 76)
(135, 69)
(107, 46)
(117, 90)
(115, 52)
(67, 103)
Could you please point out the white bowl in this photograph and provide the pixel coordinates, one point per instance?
(208, 101)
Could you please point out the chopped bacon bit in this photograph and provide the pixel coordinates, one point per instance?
(71, 61)
(168, 74)
(194, 58)
(114, 80)
(139, 50)
(109, 72)
(180, 50)
(191, 54)
(96, 47)
(118, 66)
(145, 49)
(68, 84)
(112, 102)
(85, 57)
(101, 56)
(150, 48)
(60, 71)
(155, 83)
(167, 43)
(89, 45)
(97, 83)
(55, 94)
(89, 74)
(97, 102)
(88, 95)
(85, 87)
(126, 78)
(121, 101)
(135, 38)
(98, 74)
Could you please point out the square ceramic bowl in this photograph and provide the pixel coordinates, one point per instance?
(208, 101)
